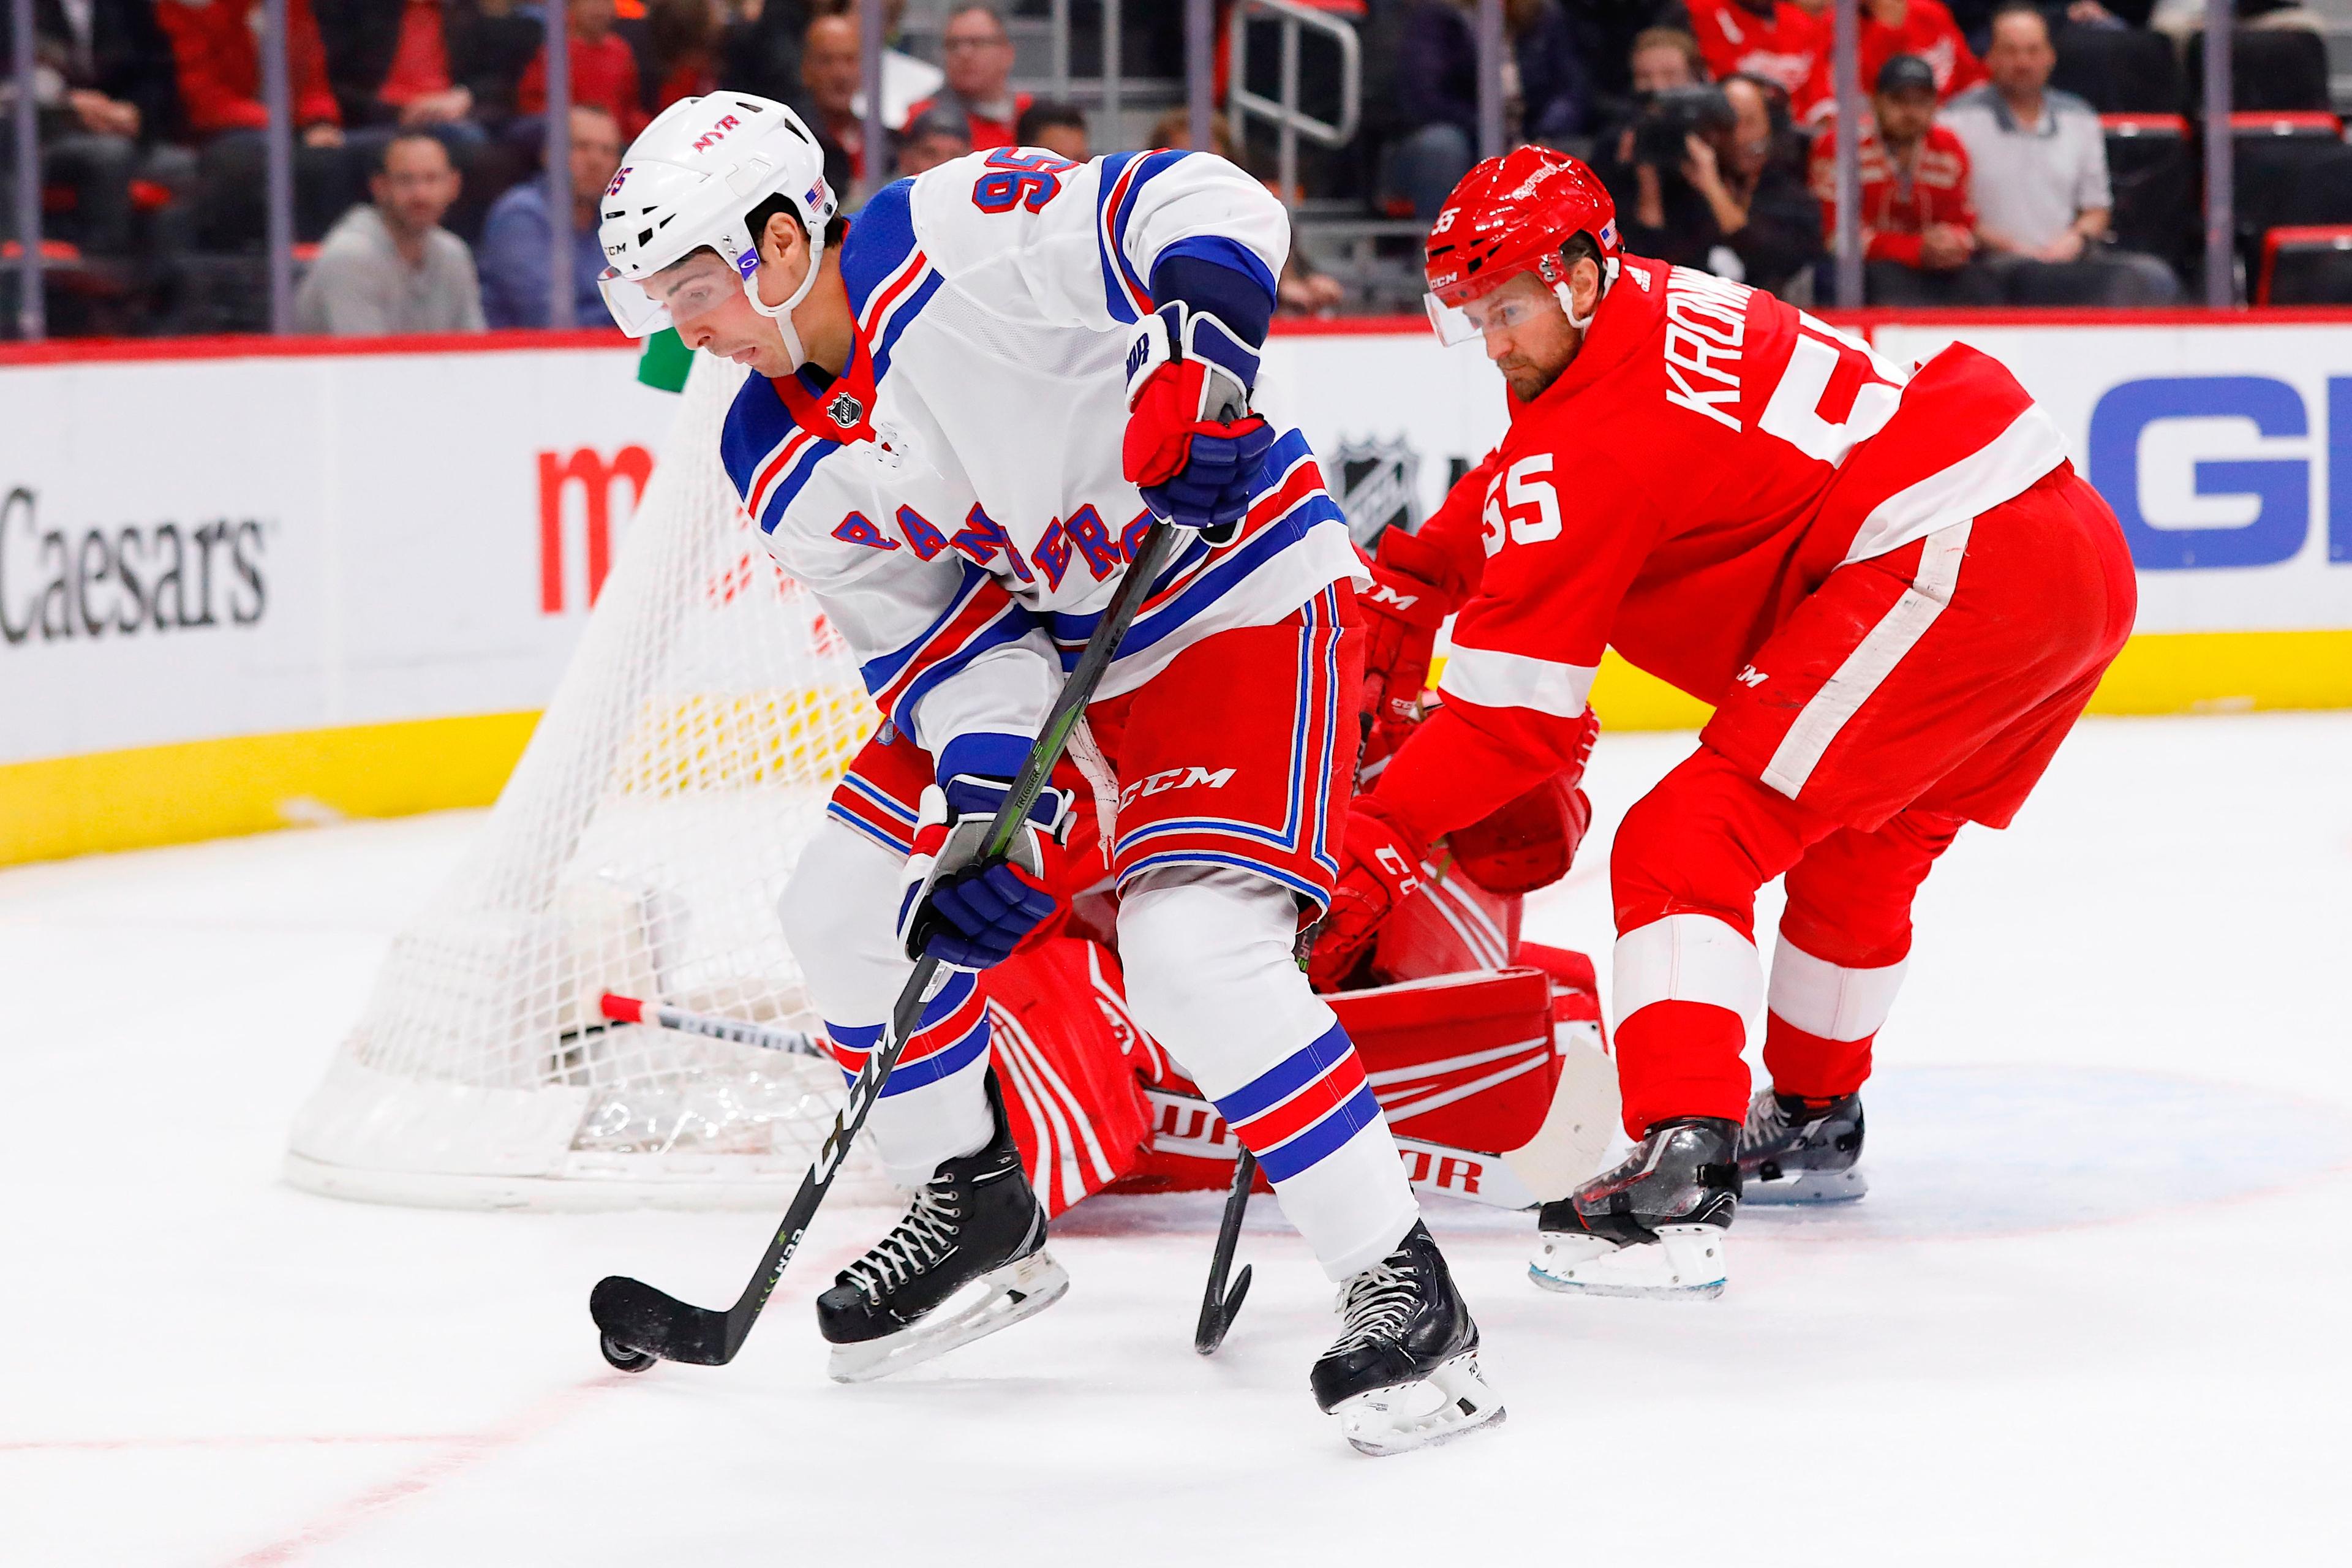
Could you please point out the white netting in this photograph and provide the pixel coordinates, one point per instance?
(639, 848)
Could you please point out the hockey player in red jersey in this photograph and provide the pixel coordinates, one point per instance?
(1889, 582)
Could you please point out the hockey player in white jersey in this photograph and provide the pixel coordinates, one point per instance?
(966, 408)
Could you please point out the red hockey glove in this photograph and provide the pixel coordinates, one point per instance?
(1531, 842)
(1415, 588)
(1380, 865)
(1192, 445)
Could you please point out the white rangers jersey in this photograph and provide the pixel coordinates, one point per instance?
(954, 498)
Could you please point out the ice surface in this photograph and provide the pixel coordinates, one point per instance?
(2092, 1311)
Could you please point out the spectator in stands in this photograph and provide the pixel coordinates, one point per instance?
(105, 92)
(490, 44)
(682, 38)
(391, 64)
(978, 53)
(389, 266)
(1663, 58)
(220, 92)
(931, 140)
(1919, 231)
(906, 80)
(1737, 205)
(829, 74)
(1059, 128)
(603, 70)
(1303, 289)
(1546, 95)
(514, 260)
(1774, 39)
(1605, 32)
(1891, 27)
(2038, 164)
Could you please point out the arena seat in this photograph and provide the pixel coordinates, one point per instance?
(2269, 67)
(2307, 264)
(2152, 169)
(2120, 71)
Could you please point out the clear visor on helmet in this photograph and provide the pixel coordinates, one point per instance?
(675, 297)
(1458, 316)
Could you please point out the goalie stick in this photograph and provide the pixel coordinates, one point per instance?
(637, 1324)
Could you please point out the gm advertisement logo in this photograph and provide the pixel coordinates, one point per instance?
(2139, 426)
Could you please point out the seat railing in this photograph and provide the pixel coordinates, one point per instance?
(1290, 121)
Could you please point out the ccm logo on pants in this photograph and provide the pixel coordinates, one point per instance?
(1173, 778)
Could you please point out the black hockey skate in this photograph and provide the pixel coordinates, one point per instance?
(1403, 1374)
(1652, 1226)
(1798, 1150)
(975, 1231)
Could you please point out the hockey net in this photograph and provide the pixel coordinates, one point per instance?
(639, 848)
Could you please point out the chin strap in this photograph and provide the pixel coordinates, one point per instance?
(783, 314)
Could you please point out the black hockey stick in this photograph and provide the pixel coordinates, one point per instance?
(1218, 1308)
(637, 1324)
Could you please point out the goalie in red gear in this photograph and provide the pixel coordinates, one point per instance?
(1888, 581)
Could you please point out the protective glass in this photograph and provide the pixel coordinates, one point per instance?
(1460, 320)
(675, 299)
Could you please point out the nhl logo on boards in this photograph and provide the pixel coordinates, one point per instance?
(845, 411)
(1379, 488)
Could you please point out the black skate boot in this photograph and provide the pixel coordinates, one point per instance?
(1652, 1226)
(975, 1223)
(1403, 1374)
(1798, 1151)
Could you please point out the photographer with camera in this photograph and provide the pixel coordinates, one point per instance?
(1713, 183)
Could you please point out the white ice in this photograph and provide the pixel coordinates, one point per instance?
(2092, 1313)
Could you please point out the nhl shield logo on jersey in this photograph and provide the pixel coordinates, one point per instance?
(845, 411)
(1379, 487)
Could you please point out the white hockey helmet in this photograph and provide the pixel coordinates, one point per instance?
(687, 181)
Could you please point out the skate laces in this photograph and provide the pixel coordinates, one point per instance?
(914, 1244)
(1764, 1121)
(1377, 1304)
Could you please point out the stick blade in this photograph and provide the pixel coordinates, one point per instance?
(1217, 1316)
(634, 1314)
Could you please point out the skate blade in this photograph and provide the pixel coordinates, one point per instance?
(998, 1300)
(1808, 1188)
(1452, 1402)
(1687, 1263)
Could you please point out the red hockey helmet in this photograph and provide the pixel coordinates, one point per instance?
(1511, 214)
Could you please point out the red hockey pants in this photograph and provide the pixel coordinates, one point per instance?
(1909, 693)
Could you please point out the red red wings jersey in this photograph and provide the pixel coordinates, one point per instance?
(1782, 46)
(1709, 456)
(1898, 203)
(1927, 30)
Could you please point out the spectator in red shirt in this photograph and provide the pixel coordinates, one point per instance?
(603, 70)
(220, 92)
(1775, 39)
(1918, 229)
(1891, 27)
(979, 59)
